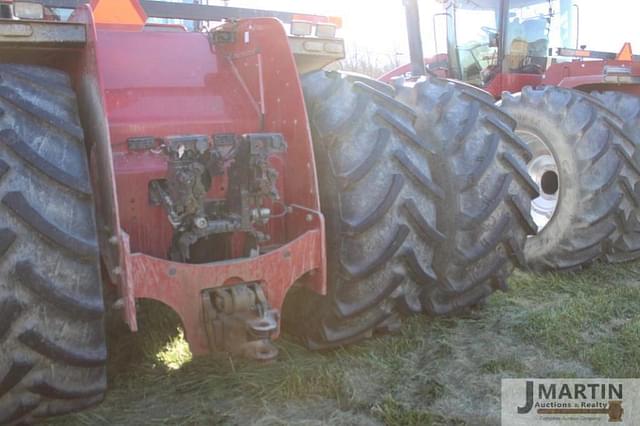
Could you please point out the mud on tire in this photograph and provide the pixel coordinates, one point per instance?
(597, 176)
(52, 357)
(426, 203)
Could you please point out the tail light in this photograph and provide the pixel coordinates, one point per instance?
(326, 30)
(28, 10)
(301, 28)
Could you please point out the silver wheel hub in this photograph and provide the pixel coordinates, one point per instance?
(544, 171)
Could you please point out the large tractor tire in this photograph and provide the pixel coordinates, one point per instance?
(582, 163)
(425, 195)
(52, 342)
(626, 246)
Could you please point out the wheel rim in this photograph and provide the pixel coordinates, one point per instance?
(544, 171)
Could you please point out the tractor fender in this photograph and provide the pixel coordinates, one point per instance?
(439, 64)
(587, 76)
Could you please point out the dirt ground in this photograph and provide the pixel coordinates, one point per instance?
(445, 371)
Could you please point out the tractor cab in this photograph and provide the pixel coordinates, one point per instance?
(491, 38)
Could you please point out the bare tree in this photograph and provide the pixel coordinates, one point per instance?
(365, 61)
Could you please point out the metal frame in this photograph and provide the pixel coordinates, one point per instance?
(181, 285)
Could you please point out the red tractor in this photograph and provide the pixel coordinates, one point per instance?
(220, 171)
(577, 110)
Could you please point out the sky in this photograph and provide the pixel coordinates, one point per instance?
(378, 26)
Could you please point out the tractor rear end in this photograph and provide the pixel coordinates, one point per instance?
(220, 172)
(215, 179)
(196, 144)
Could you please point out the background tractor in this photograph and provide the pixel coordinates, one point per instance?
(219, 172)
(577, 110)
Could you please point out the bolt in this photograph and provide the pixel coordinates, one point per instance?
(117, 270)
(265, 213)
(308, 218)
(118, 304)
(113, 240)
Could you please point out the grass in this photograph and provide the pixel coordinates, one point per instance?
(393, 413)
(442, 371)
(595, 322)
(510, 364)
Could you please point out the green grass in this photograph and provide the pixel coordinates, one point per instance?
(510, 364)
(442, 371)
(618, 355)
(595, 319)
(393, 413)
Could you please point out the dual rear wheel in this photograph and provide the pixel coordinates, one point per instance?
(586, 166)
(426, 196)
(554, 161)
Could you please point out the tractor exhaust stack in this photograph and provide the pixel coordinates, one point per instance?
(415, 38)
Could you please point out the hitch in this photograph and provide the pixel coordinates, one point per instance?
(240, 321)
